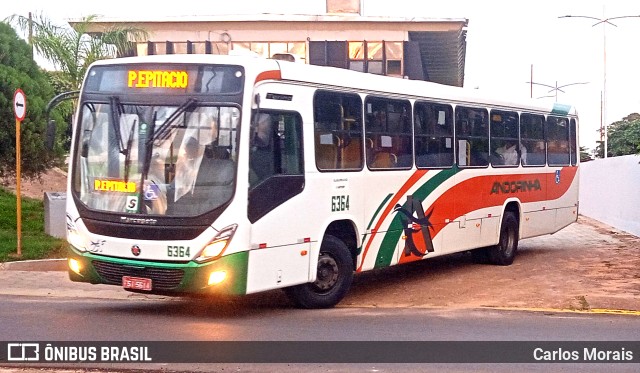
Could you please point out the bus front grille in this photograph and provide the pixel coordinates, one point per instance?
(161, 278)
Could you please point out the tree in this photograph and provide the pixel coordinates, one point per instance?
(72, 50)
(584, 155)
(624, 136)
(18, 70)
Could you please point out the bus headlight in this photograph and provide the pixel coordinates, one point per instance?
(216, 277)
(75, 266)
(74, 237)
(218, 244)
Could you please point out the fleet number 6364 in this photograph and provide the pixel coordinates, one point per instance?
(339, 203)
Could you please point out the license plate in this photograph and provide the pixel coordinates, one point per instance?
(136, 283)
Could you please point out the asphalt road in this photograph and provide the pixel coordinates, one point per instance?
(580, 284)
(79, 319)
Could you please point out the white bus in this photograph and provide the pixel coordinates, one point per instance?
(235, 175)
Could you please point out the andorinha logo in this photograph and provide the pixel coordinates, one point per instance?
(516, 186)
(419, 225)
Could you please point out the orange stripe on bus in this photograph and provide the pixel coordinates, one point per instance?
(456, 201)
(269, 75)
(477, 193)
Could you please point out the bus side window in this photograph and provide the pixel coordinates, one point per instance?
(532, 139)
(506, 149)
(573, 142)
(388, 133)
(337, 131)
(472, 135)
(558, 141)
(433, 131)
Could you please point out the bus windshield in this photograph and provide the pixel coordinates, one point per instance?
(156, 160)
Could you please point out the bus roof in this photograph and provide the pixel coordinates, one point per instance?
(337, 78)
(332, 76)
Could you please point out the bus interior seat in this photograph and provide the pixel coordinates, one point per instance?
(351, 153)
(213, 187)
(326, 151)
(384, 160)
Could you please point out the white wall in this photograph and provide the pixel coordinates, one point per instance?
(610, 192)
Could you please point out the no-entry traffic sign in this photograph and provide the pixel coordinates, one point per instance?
(20, 104)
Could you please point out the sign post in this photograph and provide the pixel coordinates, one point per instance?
(20, 109)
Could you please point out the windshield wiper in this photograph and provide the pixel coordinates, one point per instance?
(164, 130)
(115, 121)
(127, 151)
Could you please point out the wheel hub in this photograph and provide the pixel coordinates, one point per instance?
(327, 272)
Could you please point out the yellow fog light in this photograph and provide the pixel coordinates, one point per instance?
(74, 265)
(217, 277)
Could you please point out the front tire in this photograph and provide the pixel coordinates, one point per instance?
(335, 274)
(505, 251)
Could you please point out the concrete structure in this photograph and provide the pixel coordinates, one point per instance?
(416, 48)
(55, 221)
(609, 192)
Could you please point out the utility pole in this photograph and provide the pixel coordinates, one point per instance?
(603, 21)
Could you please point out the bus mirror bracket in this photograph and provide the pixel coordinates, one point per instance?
(51, 124)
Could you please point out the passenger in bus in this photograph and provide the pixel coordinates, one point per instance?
(261, 162)
(378, 121)
(431, 125)
(523, 154)
(508, 153)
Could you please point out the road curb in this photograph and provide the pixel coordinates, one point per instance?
(35, 265)
(602, 311)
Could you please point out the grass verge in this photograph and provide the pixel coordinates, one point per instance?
(36, 244)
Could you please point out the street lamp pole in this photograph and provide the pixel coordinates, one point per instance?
(603, 21)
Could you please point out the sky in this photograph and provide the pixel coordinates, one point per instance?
(508, 42)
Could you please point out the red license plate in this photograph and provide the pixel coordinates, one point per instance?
(136, 283)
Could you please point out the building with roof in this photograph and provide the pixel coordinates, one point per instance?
(431, 49)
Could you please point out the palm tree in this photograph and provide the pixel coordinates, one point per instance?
(72, 49)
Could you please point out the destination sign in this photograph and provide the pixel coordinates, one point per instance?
(165, 78)
(114, 186)
(157, 79)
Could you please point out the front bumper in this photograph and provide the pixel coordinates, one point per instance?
(169, 278)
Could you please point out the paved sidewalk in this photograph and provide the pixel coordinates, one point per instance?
(38, 279)
(587, 266)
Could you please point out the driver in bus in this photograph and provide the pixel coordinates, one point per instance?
(261, 159)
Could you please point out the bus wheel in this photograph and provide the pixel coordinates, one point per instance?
(335, 274)
(505, 251)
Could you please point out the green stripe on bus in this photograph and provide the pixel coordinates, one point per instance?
(373, 219)
(195, 275)
(560, 109)
(384, 202)
(392, 236)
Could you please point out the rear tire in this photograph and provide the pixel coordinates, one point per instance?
(505, 251)
(335, 274)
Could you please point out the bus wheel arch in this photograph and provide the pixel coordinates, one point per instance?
(345, 230)
(335, 275)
